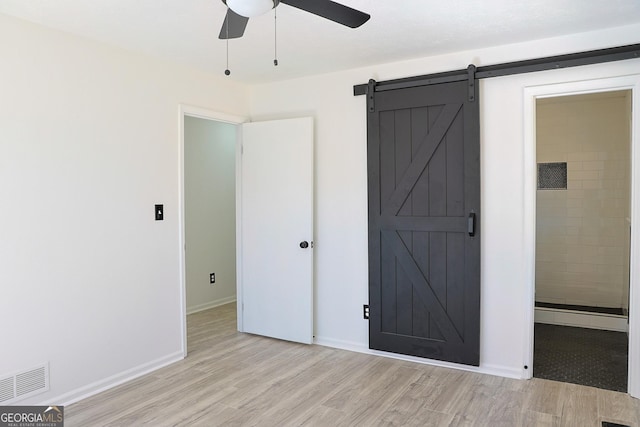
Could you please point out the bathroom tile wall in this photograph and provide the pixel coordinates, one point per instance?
(582, 241)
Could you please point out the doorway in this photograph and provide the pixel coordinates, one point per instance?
(199, 257)
(209, 192)
(582, 238)
(268, 136)
(562, 88)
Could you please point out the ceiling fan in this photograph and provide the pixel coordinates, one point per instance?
(239, 12)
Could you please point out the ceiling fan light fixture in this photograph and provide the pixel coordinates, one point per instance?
(250, 8)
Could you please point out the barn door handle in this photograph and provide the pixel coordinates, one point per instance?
(471, 224)
(304, 244)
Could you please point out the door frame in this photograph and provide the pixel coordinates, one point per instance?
(531, 95)
(203, 113)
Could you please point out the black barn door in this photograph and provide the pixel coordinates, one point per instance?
(424, 217)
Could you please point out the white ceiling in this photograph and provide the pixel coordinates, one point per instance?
(186, 31)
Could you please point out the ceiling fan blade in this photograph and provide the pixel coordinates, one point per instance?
(331, 10)
(236, 24)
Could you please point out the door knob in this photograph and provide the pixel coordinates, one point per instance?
(304, 244)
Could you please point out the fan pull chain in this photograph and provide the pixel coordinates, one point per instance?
(275, 36)
(226, 71)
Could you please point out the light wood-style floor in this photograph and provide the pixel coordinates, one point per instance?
(234, 379)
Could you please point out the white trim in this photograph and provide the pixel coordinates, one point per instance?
(634, 276)
(113, 381)
(211, 304)
(500, 371)
(581, 319)
(529, 229)
(202, 113)
(239, 277)
(531, 94)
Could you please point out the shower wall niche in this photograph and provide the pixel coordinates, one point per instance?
(582, 240)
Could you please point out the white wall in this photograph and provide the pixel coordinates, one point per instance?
(210, 212)
(88, 144)
(341, 204)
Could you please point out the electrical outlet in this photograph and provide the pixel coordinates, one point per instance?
(365, 311)
(212, 278)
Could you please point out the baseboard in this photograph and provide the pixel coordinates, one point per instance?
(487, 369)
(114, 380)
(581, 319)
(210, 304)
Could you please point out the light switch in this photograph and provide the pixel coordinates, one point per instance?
(159, 212)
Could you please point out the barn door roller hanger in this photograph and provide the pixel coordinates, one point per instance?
(454, 76)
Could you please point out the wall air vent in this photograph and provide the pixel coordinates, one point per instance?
(6, 389)
(23, 384)
(552, 176)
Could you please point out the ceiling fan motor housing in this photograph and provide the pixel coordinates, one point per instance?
(251, 8)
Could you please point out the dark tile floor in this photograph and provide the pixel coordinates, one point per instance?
(589, 357)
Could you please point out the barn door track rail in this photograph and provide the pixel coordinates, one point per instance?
(471, 73)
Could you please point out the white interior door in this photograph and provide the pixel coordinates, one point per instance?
(276, 218)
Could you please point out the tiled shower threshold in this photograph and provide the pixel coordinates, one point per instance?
(589, 309)
(581, 316)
